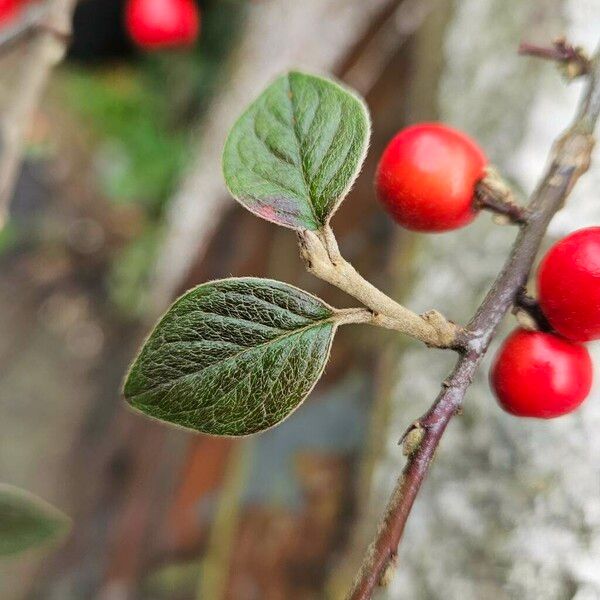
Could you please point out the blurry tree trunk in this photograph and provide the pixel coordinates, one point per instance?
(512, 507)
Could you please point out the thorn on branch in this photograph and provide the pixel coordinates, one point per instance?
(572, 60)
(492, 193)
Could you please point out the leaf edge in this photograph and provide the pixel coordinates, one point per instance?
(336, 319)
(62, 521)
(361, 160)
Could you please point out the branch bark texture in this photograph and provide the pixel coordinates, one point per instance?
(569, 159)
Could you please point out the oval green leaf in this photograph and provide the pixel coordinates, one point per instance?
(232, 357)
(294, 154)
(27, 521)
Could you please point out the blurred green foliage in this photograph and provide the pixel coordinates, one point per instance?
(178, 579)
(9, 236)
(139, 156)
(141, 115)
(128, 277)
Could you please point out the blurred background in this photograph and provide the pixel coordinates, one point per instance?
(120, 206)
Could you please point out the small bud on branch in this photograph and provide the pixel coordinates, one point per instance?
(572, 59)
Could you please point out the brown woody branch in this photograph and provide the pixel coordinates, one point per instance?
(569, 159)
(46, 48)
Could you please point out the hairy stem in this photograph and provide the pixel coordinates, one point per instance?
(569, 159)
(321, 254)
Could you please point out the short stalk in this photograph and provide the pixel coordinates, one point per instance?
(493, 194)
(321, 254)
(529, 312)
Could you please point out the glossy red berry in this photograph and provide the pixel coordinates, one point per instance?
(569, 285)
(154, 24)
(427, 175)
(541, 375)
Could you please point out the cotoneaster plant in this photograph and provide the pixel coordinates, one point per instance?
(237, 356)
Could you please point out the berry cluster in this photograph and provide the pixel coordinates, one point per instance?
(427, 179)
(151, 24)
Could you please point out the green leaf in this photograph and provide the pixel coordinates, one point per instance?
(27, 521)
(294, 154)
(233, 357)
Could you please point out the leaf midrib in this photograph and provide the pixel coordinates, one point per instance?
(234, 357)
(240, 419)
(294, 124)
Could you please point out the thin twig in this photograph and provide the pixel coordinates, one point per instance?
(322, 257)
(573, 58)
(569, 158)
(47, 48)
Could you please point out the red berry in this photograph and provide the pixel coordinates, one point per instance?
(162, 23)
(8, 9)
(541, 375)
(427, 175)
(569, 285)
